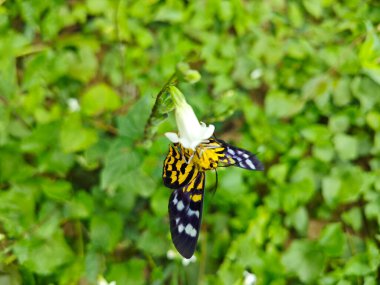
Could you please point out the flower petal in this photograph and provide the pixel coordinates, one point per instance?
(190, 131)
(186, 143)
(207, 132)
(173, 137)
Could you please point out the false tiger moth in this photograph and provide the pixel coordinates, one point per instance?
(184, 171)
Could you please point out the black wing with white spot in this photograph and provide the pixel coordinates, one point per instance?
(239, 157)
(185, 213)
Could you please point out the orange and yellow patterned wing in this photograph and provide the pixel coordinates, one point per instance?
(229, 155)
(177, 172)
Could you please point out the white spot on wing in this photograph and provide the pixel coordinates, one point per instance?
(191, 213)
(175, 200)
(180, 228)
(190, 230)
(177, 221)
(250, 164)
(180, 206)
(231, 151)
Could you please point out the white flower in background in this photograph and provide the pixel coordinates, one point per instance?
(256, 74)
(249, 278)
(187, 261)
(171, 254)
(73, 104)
(191, 132)
(102, 281)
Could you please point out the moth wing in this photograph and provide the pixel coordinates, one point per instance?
(239, 157)
(185, 213)
(176, 171)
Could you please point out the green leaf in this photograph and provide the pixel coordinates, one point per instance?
(169, 14)
(372, 208)
(369, 54)
(57, 189)
(317, 134)
(159, 198)
(149, 243)
(330, 190)
(42, 137)
(281, 105)
(373, 254)
(324, 152)
(343, 185)
(94, 264)
(342, 94)
(52, 253)
(55, 161)
(278, 172)
(11, 159)
(84, 64)
(365, 90)
(299, 220)
(97, 7)
(353, 217)
(74, 137)
(119, 162)
(314, 7)
(80, 206)
(106, 231)
(297, 193)
(339, 123)
(332, 240)
(128, 273)
(376, 145)
(295, 14)
(17, 210)
(373, 120)
(49, 219)
(305, 259)
(99, 99)
(131, 126)
(316, 88)
(369, 280)
(346, 146)
(357, 265)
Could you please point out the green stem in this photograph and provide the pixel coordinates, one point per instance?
(202, 258)
(155, 113)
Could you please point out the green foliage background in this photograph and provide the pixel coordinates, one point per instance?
(81, 195)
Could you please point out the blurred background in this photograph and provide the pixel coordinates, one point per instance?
(81, 194)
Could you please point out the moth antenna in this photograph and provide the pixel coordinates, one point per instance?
(190, 158)
(213, 191)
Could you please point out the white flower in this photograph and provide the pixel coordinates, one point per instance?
(191, 132)
(256, 74)
(102, 281)
(171, 254)
(249, 278)
(73, 104)
(187, 261)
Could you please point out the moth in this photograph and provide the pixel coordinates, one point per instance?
(184, 172)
